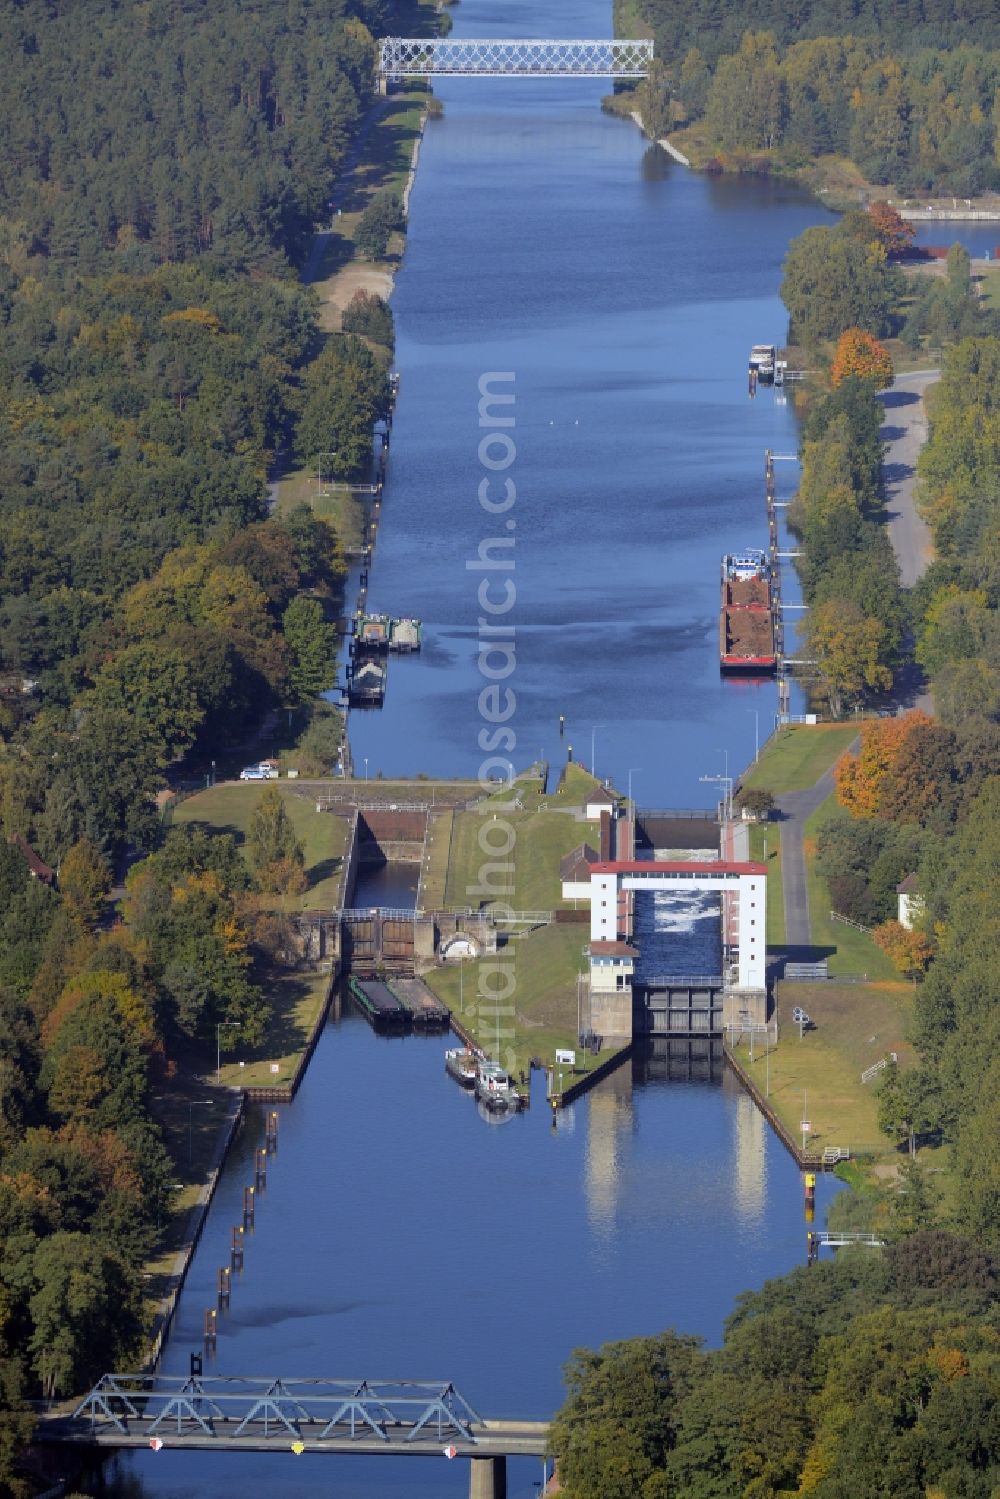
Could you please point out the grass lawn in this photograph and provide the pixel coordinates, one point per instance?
(855, 952)
(347, 510)
(542, 839)
(229, 809)
(295, 1000)
(574, 786)
(855, 1025)
(765, 845)
(434, 873)
(798, 755)
(544, 966)
(988, 279)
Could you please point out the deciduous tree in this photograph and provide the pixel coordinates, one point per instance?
(909, 948)
(861, 355)
(276, 856)
(312, 643)
(84, 882)
(860, 778)
(894, 233)
(849, 649)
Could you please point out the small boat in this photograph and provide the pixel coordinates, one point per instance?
(495, 1087)
(460, 1063)
(763, 359)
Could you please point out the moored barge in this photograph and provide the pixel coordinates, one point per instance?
(378, 1003)
(746, 618)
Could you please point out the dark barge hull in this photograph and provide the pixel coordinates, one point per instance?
(379, 1005)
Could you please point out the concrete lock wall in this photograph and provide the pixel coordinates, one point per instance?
(611, 1014)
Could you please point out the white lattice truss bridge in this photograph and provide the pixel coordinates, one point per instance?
(416, 57)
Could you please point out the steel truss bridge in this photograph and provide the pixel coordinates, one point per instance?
(417, 57)
(222, 1412)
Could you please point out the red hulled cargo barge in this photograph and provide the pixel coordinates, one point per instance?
(746, 619)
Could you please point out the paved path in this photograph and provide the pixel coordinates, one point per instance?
(904, 434)
(794, 807)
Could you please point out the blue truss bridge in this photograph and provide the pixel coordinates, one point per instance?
(490, 57)
(240, 1413)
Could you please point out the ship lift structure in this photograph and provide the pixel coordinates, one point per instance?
(403, 57)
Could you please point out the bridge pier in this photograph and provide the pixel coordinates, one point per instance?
(488, 1478)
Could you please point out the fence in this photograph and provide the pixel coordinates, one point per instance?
(858, 927)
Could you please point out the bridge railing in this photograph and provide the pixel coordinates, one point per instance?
(679, 981)
(831, 1239)
(493, 57)
(232, 1406)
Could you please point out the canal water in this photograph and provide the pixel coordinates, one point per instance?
(550, 241)
(400, 1234)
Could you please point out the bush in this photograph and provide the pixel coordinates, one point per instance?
(379, 221)
(370, 315)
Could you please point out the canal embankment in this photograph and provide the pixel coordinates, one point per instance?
(194, 1224)
(820, 1071)
(337, 271)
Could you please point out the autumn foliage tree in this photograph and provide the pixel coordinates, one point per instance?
(908, 949)
(859, 353)
(860, 778)
(894, 233)
(276, 856)
(849, 648)
(84, 881)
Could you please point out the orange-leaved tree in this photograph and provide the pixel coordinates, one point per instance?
(894, 233)
(909, 949)
(860, 778)
(859, 353)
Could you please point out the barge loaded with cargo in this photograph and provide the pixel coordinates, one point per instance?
(746, 618)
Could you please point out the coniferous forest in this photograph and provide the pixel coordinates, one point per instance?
(163, 167)
(908, 91)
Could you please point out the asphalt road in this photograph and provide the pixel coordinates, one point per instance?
(793, 808)
(904, 433)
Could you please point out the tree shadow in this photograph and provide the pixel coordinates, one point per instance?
(900, 398)
(325, 869)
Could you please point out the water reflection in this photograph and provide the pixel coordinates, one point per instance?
(750, 1177)
(610, 1121)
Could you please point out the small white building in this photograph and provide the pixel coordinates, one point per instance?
(612, 969)
(574, 872)
(910, 904)
(612, 966)
(600, 800)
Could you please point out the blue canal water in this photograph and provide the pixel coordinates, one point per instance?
(623, 293)
(401, 1235)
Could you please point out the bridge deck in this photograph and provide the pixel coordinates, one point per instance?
(251, 1413)
(492, 1438)
(510, 57)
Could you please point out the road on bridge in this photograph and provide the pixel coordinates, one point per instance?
(492, 1439)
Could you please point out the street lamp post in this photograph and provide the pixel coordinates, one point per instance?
(366, 767)
(729, 785)
(224, 1025)
(593, 749)
(319, 472)
(756, 734)
(727, 793)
